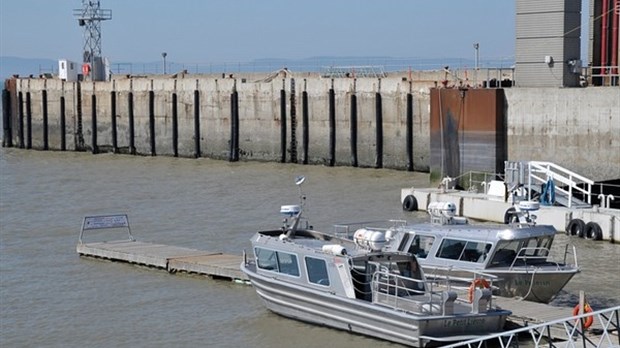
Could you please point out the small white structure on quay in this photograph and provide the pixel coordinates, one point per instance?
(67, 70)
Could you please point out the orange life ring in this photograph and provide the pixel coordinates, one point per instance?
(85, 69)
(586, 309)
(477, 283)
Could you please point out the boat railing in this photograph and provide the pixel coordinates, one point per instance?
(427, 297)
(346, 230)
(404, 293)
(538, 255)
(570, 249)
(442, 276)
(532, 254)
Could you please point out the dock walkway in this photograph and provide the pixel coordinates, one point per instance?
(172, 259)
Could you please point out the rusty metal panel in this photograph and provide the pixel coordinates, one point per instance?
(468, 131)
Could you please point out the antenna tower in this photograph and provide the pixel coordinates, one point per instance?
(90, 16)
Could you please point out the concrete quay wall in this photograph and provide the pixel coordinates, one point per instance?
(366, 122)
(577, 128)
(106, 116)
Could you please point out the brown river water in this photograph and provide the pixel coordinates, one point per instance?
(51, 297)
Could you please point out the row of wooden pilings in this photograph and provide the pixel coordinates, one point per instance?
(24, 125)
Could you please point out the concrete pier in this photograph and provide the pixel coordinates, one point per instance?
(305, 118)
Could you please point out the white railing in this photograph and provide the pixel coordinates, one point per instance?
(541, 172)
(571, 334)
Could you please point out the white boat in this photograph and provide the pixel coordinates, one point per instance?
(357, 286)
(516, 255)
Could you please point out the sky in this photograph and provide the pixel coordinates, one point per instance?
(207, 31)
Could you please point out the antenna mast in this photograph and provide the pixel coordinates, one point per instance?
(90, 16)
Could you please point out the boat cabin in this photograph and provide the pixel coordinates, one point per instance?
(327, 263)
(479, 246)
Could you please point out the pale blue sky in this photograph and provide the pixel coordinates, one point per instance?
(204, 31)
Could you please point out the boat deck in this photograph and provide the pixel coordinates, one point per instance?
(171, 258)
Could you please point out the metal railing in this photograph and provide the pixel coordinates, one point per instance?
(557, 173)
(541, 254)
(394, 290)
(571, 335)
(534, 173)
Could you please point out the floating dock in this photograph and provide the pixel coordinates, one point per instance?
(172, 259)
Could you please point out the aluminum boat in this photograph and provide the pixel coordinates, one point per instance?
(517, 255)
(356, 285)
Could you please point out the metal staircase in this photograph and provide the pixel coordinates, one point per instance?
(552, 184)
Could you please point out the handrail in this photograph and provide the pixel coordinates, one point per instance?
(432, 276)
(549, 165)
(522, 256)
(394, 284)
(555, 172)
(566, 252)
(609, 319)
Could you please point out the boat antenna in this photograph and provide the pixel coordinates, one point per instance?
(298, 181)
(302, 198)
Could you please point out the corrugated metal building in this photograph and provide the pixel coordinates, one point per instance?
(548, 43)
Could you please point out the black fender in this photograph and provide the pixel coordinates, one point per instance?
(576, 227)
(410, 203)
(593, 231)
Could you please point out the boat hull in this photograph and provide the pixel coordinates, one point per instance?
(363, 317)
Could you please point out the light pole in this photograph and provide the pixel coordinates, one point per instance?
(477, 61)
(164, 54)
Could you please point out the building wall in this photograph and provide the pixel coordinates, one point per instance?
(547, 28)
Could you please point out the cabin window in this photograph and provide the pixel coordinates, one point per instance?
(277, 261)
(537, 248)
(317, 271)
(531, 247)
(505, 253)
(451, 249)
(475, 252)
(464, 251)
(266, 259)
(421, 246)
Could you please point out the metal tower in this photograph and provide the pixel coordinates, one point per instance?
(90, 17)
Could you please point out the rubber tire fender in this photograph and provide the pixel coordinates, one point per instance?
(593, 231)
(410, 203)
(576, 227)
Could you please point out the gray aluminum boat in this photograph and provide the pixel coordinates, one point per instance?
(516, 255)
(357, 286)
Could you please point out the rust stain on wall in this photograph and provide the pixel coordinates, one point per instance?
(468, 131)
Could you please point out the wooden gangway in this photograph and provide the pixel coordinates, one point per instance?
(171, 258)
